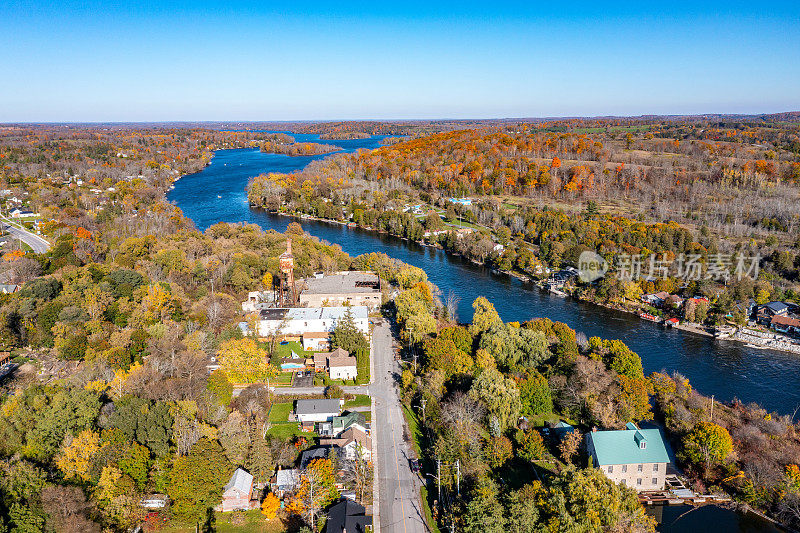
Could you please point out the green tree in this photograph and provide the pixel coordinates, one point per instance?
(148, 422)
(197, 479)
(535, 395)
(530, 445)
(707, 444)
(219, 386)
(484, 513)
(442, 354)
(500, 396)
(347, 336)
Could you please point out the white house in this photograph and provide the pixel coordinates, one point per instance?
(300, 320)
(354, 443)
(317, 410)
(342, 367)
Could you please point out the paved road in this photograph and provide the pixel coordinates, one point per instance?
(38, 244)
(399, 507)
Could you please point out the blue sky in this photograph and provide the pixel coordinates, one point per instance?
(157, 61)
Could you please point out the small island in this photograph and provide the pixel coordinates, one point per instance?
(298, 149)
(344, 135)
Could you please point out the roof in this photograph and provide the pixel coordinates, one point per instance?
(342, 283)
(776, 307)
(621, 447)
(343, 422)
(662, 295)
(785, 321)
(347, 516)
(287, 478)
(342, 362)
(356, 435)
(319, 452)
(316, 335)
(241, 481)
(339, 352)
(313, 313)
(310, 407)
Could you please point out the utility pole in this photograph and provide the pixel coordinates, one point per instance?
(422, 403)
(458, 477)
(712, 407)
(439, 478)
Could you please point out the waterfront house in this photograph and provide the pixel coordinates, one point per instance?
(317, 410)
(785, 324)
(634, 457)
(673, 301)
(237, 493)
(766, 312)
(347, 517)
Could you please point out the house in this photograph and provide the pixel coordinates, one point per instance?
(342, 288)
(765, 313)
(347, 516)
(317, 410)
(237, 493)
(632, 456)
(673, 301)
(8, 289)
(561, 429)
(320, 361)
(354, 443)
(320, 452)
(154, 501)
(300, 320)
(340, 424)
(656, 299)
(785, 324)
(342, 367)
(284, 481)
(314, 341)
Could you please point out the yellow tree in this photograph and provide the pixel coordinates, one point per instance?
(244, 361)
(317, 490)
(270, 506)
(75, 460)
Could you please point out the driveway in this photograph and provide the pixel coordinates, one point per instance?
(398, 488)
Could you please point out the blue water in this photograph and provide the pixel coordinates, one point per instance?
(723, 368)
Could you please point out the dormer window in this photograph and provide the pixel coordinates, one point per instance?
(643, 445)
(640, 440)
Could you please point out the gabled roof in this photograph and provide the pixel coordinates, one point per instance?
(241, 481)
(785, 321)
(341, 423)
(342, 362)
(310, 407)
(623, 446)
(287, 478)
(347, 516)
(776, 307)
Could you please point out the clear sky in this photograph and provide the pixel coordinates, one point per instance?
(292, 60)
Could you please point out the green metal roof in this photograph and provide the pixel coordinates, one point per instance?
(622, 447)
(346, 420)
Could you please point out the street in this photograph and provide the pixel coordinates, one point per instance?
(399, 498)
(38, 244)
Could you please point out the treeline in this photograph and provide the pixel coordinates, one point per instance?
(298, 149)
(481, 394)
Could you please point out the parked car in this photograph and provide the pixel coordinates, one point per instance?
(414, 465)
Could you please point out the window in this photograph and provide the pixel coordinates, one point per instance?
(655, 481)
(611, 469)
(624, 468)
(640, 468)
(655, 467)
(639, 481)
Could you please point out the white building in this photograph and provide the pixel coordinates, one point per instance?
(317, 410)
(342, 367)
(634, 457)
(300, 320)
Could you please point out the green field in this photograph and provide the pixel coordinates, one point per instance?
(253, 522)
(285, 350)
(361, 400)
(280, 412)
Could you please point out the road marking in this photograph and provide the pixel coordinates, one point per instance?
(397, 467)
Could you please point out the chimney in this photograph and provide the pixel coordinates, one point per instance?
(594, 429)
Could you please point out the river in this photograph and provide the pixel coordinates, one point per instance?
(725, 369)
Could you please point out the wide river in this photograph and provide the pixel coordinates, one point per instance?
(725, 369)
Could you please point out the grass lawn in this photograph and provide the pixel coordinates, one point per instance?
(361, 400)
(280, 412)
(540, 420)
(285, 350)
(426, 507)
(287, 430)
(254, 522)
(283, 379)
(414, 429)
(363, 372)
